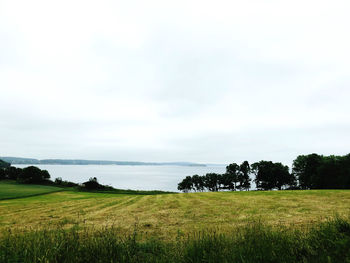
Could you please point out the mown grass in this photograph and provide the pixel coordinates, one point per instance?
(165, 216)
(254, 242)
(11, 190)
(129, 192)
(256, 226)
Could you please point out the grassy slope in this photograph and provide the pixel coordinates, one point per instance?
(172, 214)
(10, 189)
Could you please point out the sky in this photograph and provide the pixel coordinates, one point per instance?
(199, 81)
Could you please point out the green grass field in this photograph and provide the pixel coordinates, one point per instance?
(327, 242)
(11, 189)
(167, 215)
(256, 226)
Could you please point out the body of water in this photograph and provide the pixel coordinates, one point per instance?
(137, 177)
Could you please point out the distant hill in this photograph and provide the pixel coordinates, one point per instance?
(19, 160)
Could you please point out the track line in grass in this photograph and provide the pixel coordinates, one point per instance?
(112, 206)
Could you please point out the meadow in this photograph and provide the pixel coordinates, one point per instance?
(167, 215)
(10, 189)
(154, 227)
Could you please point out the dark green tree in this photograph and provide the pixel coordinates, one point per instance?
(232, 175)
(243, 176)
(263, 175)
(58, 180)
(211, 181)
(186, 184)
(282, 176)
(322, 172)
(305, 168)
(13, 173)
(226, 182)
(198, 183)
(269, 175)
(92, 184)
(2, 174)
(33, 174)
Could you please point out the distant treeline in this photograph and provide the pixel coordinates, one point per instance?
(311, 171)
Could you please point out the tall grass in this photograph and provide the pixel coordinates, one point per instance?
(255, 242)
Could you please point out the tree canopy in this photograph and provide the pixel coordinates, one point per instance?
(270, 175)
(322, 172)
(29, 174)
(311, 171)
(235, 178)
(33, 174)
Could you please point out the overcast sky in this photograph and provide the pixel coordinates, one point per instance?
(202, 81)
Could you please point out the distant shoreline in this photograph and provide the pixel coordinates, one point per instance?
(31, 161)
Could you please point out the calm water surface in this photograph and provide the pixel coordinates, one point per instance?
(138, 177)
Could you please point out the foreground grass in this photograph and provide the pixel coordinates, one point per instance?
(166, 216)
(11, 190)
(274, 226)
(256, 242)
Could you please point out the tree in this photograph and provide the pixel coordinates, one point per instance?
(226, 182)
(92, 184)
(45, 174)
(3, 166)
(322, 172)
(243, 176)
(58, 180)
(305, 168)
(343, 177)
(198, 182)
(263, 174)
(269, 175)
(33, 174)
(232, 175)
(2, 174)
(13, 173)
(186, 184)
(211, 181)
(282, 176)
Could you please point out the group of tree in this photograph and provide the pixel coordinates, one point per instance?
(34, 175)
(270, 175)
(322, 172)
(311, 171)
(64, 183)
(28, 175)
(235, 178)
(93, 184)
